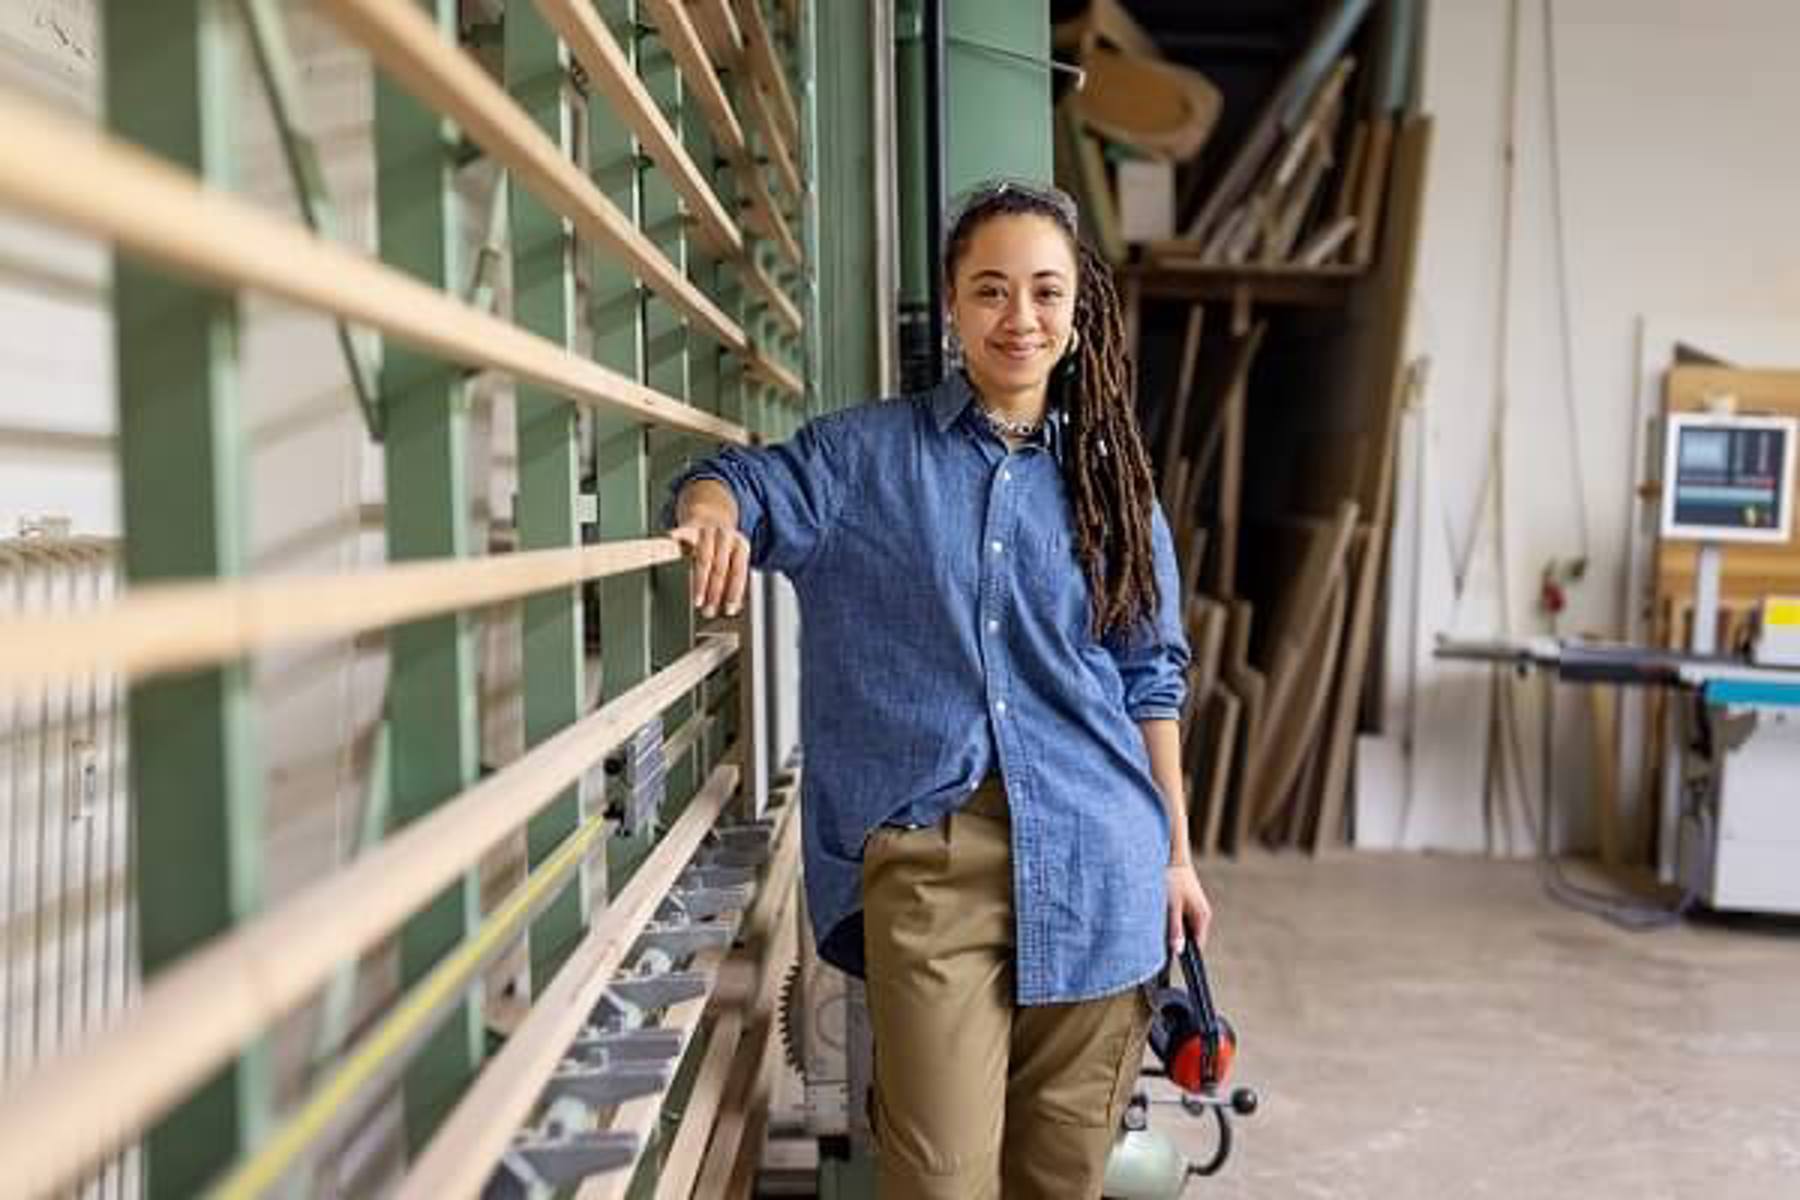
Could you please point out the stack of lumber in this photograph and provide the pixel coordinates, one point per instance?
(1302, 191)
(1283, 607)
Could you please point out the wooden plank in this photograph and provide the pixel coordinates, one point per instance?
(774, 144)
(462, 1155)
(775, 373)
(1188, 530)
(1349, 181)
(719, 29)
(1250, 686)
(1340, 734)
(613, 76)
(1295, 716)
(764, 217)
(1174, 489)
(1218, 749)
(1372, 190)
(774, 902)
(759, 48)
(1106, 20)
(406, 45)
(1603, 713)
(1206, 767)
(156, 212)
(1325, 244)
(1301, 607)
(777, 300)
(1232, 428)
(1194, 556)
(1175, 439)
(162, 628)
(1085, 176)
(1328, 41)
(744, 1104)
(1207, 635)
(1360, 639)
(675, 26)
(76, 1109)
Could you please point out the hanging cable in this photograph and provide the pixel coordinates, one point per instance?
(1584, 532)
(1635, 916)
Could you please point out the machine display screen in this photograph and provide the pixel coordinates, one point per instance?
(1731, 478)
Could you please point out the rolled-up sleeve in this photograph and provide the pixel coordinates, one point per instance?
(788, 495)
(1153, 658)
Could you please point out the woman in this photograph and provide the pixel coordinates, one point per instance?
(994, 668)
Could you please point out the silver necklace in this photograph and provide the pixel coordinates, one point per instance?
(1018, 429)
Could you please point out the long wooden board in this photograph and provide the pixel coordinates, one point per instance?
(1293, 729)
(154, 211)
(407, 45)
(1250, 686)
(1217, 749)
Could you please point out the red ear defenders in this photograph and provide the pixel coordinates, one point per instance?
(1192, 1041)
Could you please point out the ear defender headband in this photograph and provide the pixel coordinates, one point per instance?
(1032, 197)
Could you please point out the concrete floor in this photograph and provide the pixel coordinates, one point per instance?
(1436, 1027)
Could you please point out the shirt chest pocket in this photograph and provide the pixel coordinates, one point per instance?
(1054, 582)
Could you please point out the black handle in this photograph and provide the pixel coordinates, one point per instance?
(1199, 990)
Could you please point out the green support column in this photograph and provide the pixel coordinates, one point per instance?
(195, 781)
(998, 115)
(811, 347)
(667, 369)
(706, 363)
(616, 312)
(431, 681)
(536, 69)
(845, 251)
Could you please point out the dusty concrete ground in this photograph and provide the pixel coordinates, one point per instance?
(1436, 1027)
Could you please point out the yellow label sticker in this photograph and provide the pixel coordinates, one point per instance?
(1781, 611)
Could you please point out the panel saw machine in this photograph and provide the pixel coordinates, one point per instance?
(1731, 777)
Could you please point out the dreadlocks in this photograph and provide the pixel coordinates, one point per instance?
(1104, 463)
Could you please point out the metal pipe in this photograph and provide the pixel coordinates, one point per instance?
(936, 173)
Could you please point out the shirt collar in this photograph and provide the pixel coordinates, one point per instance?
(952, 398)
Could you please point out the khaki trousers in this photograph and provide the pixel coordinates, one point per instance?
(974, 1098)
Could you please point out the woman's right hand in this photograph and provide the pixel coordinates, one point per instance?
(721, 558)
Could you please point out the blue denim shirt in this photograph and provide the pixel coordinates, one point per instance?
(944, 636)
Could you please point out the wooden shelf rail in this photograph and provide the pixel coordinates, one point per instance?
(463, 1153)
(774, 142)
(158, 212)
(404, 42)
(159, 628)
(785, 310)
(759, 48)
(697, 52)
(723, 1000)
(352, 1085)
(612, 74)
(195, 1015)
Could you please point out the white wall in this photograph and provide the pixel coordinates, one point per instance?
(1680, 192)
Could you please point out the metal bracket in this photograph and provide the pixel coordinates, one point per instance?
(698, 904)
(608, 1085)
(683, 941)
(645, 1045)
(536, 1161)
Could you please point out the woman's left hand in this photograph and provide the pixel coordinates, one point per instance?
(1189, 909)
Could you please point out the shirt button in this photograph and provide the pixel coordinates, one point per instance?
(1000, 707)
(1005, 476)
(998, 547)
(993, 627)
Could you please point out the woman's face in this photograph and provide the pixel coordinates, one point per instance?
(1012, 302)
